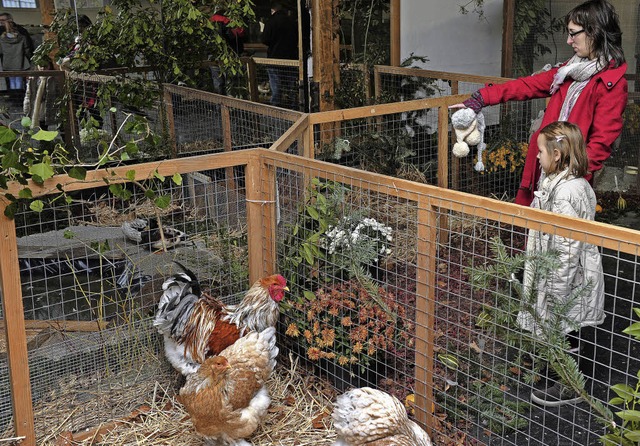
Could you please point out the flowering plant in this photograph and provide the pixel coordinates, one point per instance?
(367, 236)
(347, 324)
(507, 156)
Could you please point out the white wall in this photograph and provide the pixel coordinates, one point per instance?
(452, 41)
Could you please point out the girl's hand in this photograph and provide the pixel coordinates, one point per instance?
(460, 105)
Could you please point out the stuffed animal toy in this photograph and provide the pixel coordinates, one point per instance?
(469, 128)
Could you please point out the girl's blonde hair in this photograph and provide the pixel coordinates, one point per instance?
(567, 139)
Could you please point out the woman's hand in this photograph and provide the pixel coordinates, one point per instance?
(460, 105)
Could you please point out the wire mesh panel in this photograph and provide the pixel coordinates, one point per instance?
(277, 82)
(91, 273)
(207, 123)
(384, 273)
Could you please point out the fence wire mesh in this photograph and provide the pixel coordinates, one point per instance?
(355, 253)
(277, 82)
(91, 275)
(387, 290)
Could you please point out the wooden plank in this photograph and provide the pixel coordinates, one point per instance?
(444, 75)
(326, 46)
(240, 104)
(443, 163)
(292, 134)
(254, 94)
(384, 109)
(62, 325)
(425, 313)
(15, 333)
(394, 18)
(276, 62)
(608, 236)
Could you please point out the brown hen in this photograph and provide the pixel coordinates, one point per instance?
(196, 325)
(227, 398)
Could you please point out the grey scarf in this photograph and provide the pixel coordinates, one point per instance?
(581, 70)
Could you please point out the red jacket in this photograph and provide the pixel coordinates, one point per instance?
(598, 112)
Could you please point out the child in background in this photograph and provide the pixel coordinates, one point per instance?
(563, 190)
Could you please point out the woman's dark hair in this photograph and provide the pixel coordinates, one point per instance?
(600, 22)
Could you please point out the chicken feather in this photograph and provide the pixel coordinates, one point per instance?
(227, 398)
(367, 416)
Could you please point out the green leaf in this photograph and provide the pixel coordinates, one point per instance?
(10, 160)
(25, 122)
(307, 254)
(68, 234)
(158, 176)
(637, 311)
(25, 193)
(42, 170)
(313, 212)
(633, 435)
(633, 330)
(629, 415)
(78, 172)
(36, 205)
(130, 175)
(7, 135)
(163, 201)
(623, 391)
(177, 179)
(616, 401)
(309, 295)
(45, 135)
(11, 209)
(449, 360)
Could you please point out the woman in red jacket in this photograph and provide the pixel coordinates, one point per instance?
(588, 90)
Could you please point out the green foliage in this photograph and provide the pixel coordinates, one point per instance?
(512, 300)
(330, 240)
(368, 33)
(628, 432)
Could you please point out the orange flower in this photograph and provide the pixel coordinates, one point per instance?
(313, 353)
(346, 321)
(308, 336)
(343, 360)
(328, 337)
(292, 330)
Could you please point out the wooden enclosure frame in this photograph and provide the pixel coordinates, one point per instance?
(260, 180)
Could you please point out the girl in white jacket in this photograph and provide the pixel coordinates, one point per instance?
(563, 190)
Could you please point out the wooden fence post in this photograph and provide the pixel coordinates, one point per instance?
(425, 307)
(171, 125)
(16, 337)
(261, 221)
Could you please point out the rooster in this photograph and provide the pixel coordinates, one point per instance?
(227, 398)
(367, 416)
(196, 325)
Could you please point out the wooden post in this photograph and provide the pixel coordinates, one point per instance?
(443, 164)
(326, 55)
(261, 224)
(455, 161)
(425, 308)
(394, 15)
(254, 95)
(508, 13)
(227, 143)
(15, 332)
(168, 101)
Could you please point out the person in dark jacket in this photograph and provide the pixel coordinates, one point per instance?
(588, 90)
(15, 54)
(280, 34)
(6, 17)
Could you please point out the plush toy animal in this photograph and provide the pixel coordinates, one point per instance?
(469, 128)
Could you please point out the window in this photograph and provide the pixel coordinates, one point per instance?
(19, 4)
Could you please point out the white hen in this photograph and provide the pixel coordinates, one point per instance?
(367, 416)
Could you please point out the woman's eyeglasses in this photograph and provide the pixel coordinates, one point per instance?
(573, 34)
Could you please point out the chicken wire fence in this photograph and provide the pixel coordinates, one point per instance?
(88, 289)
(276, 82)
(203, 122)
(412, 289)
(384, 286)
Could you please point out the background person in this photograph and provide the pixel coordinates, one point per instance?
(16, 55)
(280, 34)
(589, 89)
